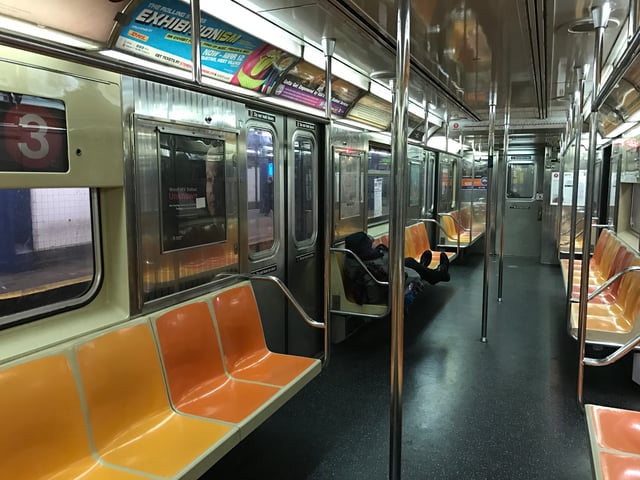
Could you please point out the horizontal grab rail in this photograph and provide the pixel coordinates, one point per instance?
(615, 356)
(608, 283)
(347, 251)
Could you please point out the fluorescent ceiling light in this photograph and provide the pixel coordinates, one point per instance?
(313, 55)
(359, 125)
(43, 33)
(635, 131)
(140, 62)
(417, 110)
(635, 117)
(381, 91)
(252, 23)
(295, 106)
(439, 142)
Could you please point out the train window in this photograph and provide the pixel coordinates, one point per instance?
(260, 190)
(378, 186)
(192, 187)
(521, 178)
(634, 221)
(48, 257)
(415, 179)
(34, 134)
(350, 185)
(304, 189)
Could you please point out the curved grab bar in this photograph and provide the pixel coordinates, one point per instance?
(287, 293)
(615, 356)
(373, 277)
(608, 282)
(456, 221)
(430, 220)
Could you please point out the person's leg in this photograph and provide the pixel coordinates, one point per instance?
(427, 274)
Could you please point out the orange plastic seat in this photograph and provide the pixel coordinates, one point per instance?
(616, 429)
(43, 434)
(131, 421)
(198, 384)
(243, 345)
(619, 467)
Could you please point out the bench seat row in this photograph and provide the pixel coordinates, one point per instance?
(456, 225)
(611, 315)
(164, 396)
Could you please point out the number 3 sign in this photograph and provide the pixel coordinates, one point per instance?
(33, 135)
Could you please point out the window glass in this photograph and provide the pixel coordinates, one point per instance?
(192, 187)
(521, 180)
(350, 187)
(378, 178)
(303, 190)
(415, 179)
(46, 250)
(446, 187)
(634, 221)
(33, 137)
(260, 190)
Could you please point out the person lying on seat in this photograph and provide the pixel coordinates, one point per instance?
(376, 259)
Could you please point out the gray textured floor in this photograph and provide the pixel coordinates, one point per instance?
(501, 410)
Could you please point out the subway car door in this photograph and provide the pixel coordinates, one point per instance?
(523, 212)
(264, 216)
(304, 256)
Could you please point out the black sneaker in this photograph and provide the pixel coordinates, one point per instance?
(444, 261)
(425, 258)
(443, 268)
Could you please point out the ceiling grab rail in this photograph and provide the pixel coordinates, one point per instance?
(600, 15)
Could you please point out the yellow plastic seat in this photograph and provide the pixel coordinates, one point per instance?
(42, 429)
(131, 421)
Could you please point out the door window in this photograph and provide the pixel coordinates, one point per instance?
(260, 190)
(521, 178)
(304, 206)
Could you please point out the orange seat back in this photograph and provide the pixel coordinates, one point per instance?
(120, 365)
(449, 226)
(190, 351)
(623, 260)
(240, 327)
(609, 253)
(603, 239)
(41, 419)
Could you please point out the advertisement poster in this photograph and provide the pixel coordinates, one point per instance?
(33, 137)
(192, 191)
(555, 188)
(160, 30)
(567, 188)
(304, 84)
(468, 183)
(350, 186)
(377, 197)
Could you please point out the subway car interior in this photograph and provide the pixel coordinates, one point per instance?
(199, 199)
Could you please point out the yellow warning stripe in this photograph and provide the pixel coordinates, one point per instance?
(44, 288)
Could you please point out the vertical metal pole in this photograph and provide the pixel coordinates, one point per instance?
(399, 135)
(574, 192)
(502, 202)
(633, 18)
(600, 17)
(196, 69)
(487, 239)
(328, 47)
